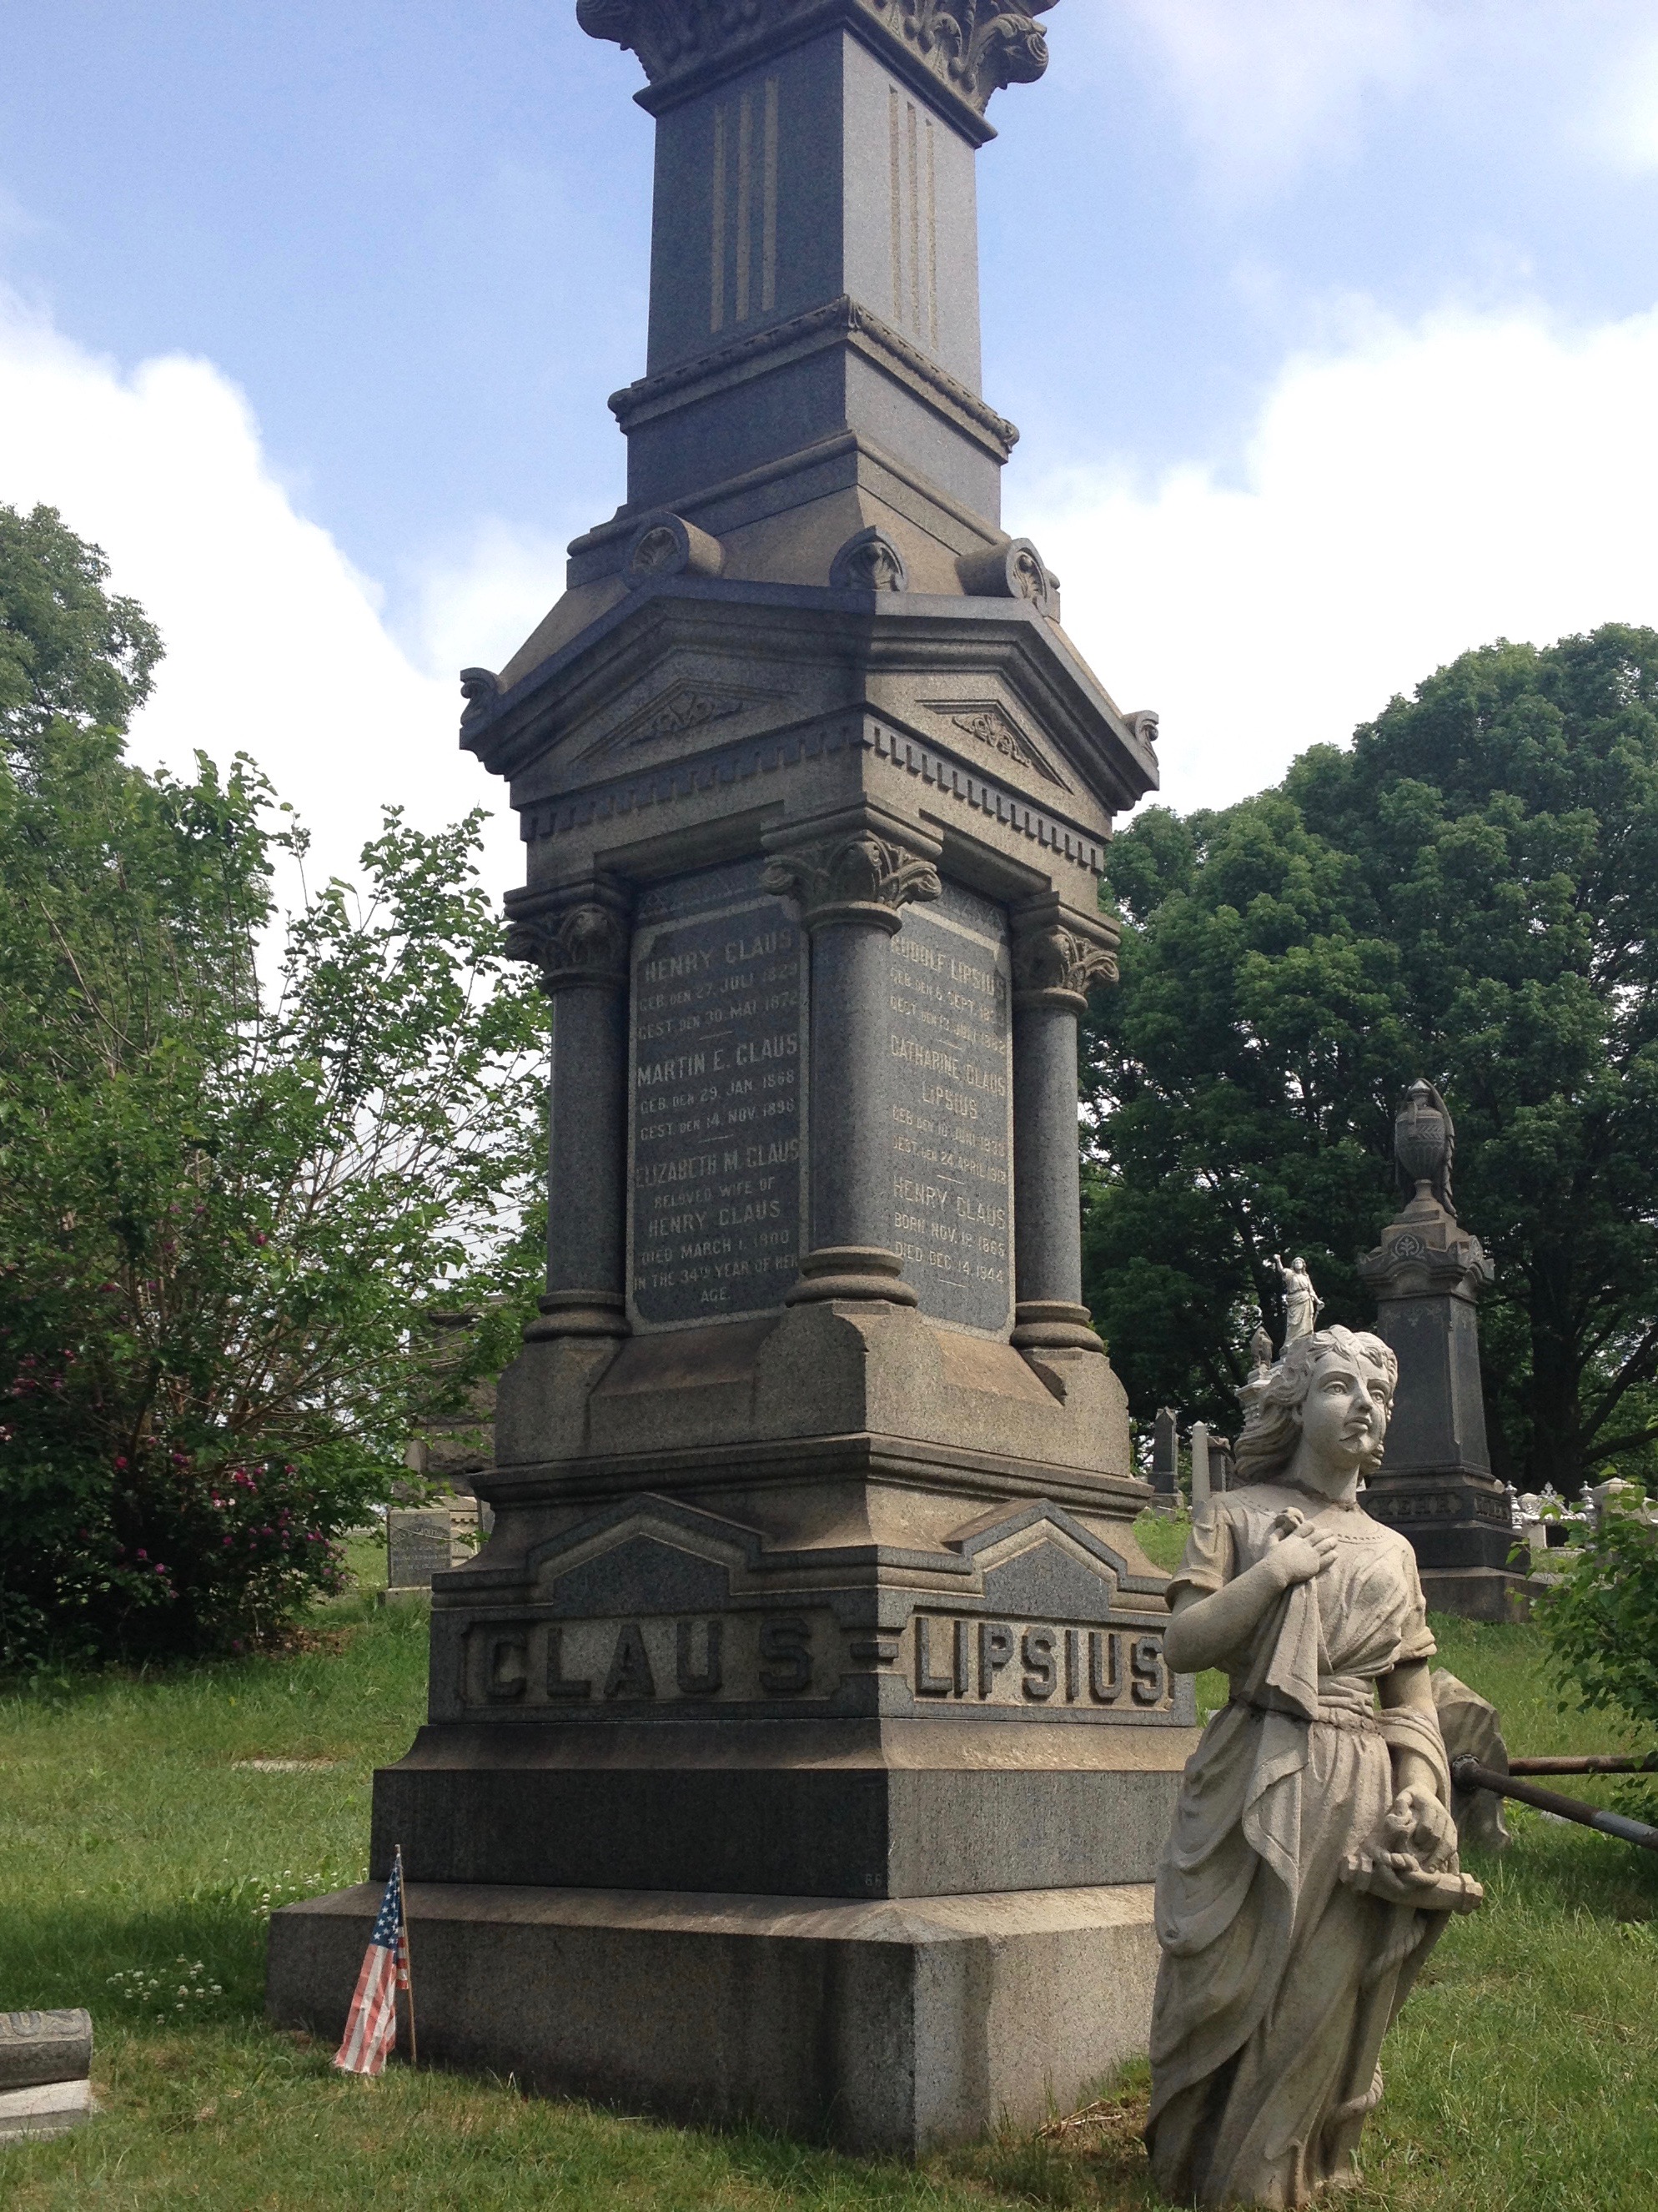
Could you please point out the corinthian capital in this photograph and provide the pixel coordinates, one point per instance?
(973, 46)
(581, 944)
(1057, 966)
(860, 878)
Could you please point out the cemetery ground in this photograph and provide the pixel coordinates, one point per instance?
(141, 1849)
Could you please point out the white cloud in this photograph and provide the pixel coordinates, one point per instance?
(1426, 490)
(277, 645)
(1626, 128)
(1262, 83)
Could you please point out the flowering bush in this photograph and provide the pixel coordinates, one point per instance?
(240, 1157)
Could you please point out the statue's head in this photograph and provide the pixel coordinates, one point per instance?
(1336, 1389)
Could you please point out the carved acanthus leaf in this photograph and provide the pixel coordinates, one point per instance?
(1054, 966)
(846, 878)
(975, 46)
(583, 945)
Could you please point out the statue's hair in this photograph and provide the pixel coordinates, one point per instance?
(1272, 1429)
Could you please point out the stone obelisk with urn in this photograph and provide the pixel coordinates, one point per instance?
(1435, 1485)
(801, 1742)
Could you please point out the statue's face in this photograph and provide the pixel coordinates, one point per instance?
(1343, 1416)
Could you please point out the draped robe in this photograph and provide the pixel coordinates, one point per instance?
(1277, 1980)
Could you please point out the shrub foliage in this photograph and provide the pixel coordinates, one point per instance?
(241, 1154)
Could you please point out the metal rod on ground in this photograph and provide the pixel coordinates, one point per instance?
(1469, 1774)
(1586, 1765)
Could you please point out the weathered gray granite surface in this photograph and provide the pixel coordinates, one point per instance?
(812, 1571)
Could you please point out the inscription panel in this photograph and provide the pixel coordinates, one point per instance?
(607, 1666)
(716, 1146)
(1038, 1667)
(950, 1101)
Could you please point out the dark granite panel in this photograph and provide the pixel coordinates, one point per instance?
(717, 1080)
(949, 1096)
(1047, 1583)
(643, 1575)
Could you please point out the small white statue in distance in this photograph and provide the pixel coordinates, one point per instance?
(1301, 1302)
(1313, 1858)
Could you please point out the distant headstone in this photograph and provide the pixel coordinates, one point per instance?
(1165, 1453)
(1222, 1473)
(46, 2064)
(1435, 1485)
(422, 1541)
(1202, 1483)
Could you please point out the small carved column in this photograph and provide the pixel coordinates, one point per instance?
(1057, 961)
(852, 884)
(581, 944)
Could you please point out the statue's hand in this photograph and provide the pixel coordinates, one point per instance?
(1298, 1552)
(1418, 1826)
(1411, 1858)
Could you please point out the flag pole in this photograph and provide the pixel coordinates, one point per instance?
(408, 1962)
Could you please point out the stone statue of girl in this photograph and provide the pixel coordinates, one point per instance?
(1312, 1860)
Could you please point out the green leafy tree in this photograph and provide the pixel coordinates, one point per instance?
(240, 1158)
(1601, 1624)
(1470, 893)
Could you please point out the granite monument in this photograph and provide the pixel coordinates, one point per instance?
(801, 1741)
(1438, 1487)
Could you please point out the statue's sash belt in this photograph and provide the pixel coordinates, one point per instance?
(1338, 1712)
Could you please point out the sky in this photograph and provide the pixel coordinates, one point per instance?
(1332, 327)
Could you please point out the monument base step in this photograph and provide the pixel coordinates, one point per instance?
(1477, 1593)
(893, 2026)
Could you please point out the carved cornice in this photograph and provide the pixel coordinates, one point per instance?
(862, 878)
(844, 318)
(1426, 1253)
(585, 945)
(1056, 966)
(973, 48)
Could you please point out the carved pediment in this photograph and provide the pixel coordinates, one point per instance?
(974, 46)
(652, 1555)
(989, 723)
(684, 705)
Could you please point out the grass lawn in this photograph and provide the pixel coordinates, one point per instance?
(134, 1842)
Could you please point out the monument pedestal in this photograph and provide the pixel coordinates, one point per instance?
(891, 2027)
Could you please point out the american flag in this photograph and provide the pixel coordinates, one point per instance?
(371, 2027)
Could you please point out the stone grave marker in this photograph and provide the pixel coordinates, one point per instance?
(1435, 1484)
(801, 1743)
(46, 2067)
